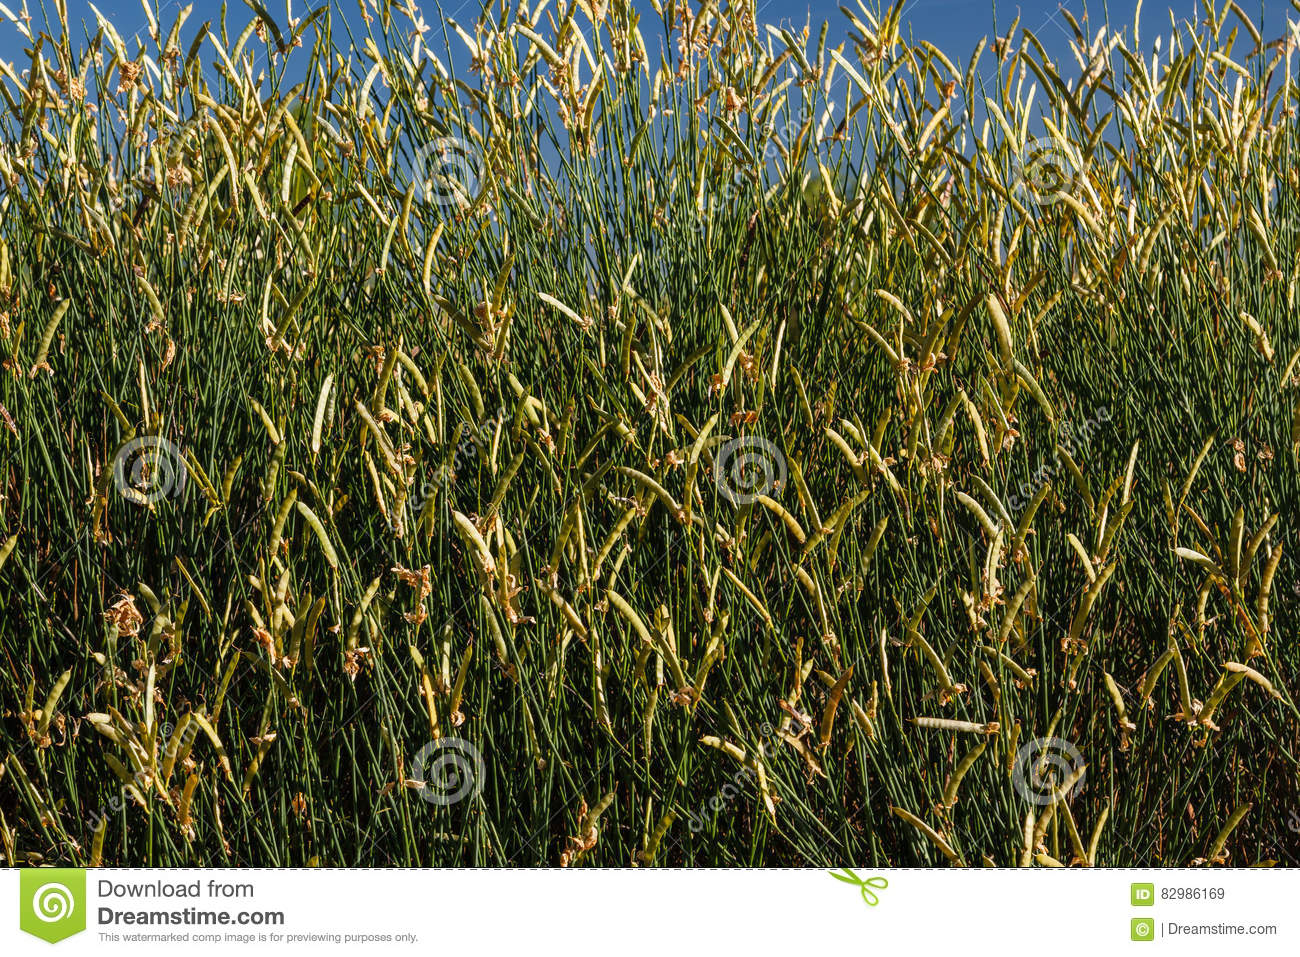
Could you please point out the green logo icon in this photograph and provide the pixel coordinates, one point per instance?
(52, 902)
(1142, 895)
(865, 885)
(1143, 928)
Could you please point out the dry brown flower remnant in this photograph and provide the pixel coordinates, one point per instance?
(421, 581)
(125, 616)
(127, 75)
(353, 661)
(1238, 454)
(588, 832)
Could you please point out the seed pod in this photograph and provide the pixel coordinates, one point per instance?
(838, 521)
(952, 724)
(1153, 675)
(850, 456)
(1221, 839)
(1012, 612)
(1001, 328)
(1095, 840)
(1227, 681)
(981, 516)
(155, 306)
(726, 747)
(567, 610)
(273, 471)
(1080, 483)
(863, 720)
(281, 516)
(428, 692)
(959, 772)
(832, 703)
(1084, 558)
(1023, 676)
(647, 856)
(1027, 834)
(47, 337)
(1117, 699)
(458, 687)
(101, 831)
(650, 484)
(1252, 546)
(470, 535)
(934, 836)
(327, 547)
(1184, 692)
(318, 420)
(1254, 676)
(255, 763)
(791, 523)
(1196, 466)
(1211, 566)
(749, 596)
(206, 727)
(228, 479)
(1031, 383)
(1087, 601)
(1266, 587)
(949, 687)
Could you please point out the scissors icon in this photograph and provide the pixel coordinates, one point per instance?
(865, 885)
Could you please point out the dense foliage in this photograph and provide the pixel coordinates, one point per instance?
(589, 438)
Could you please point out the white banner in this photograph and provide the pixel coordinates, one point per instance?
(650, 912)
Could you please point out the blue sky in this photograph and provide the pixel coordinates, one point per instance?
(952, 25)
